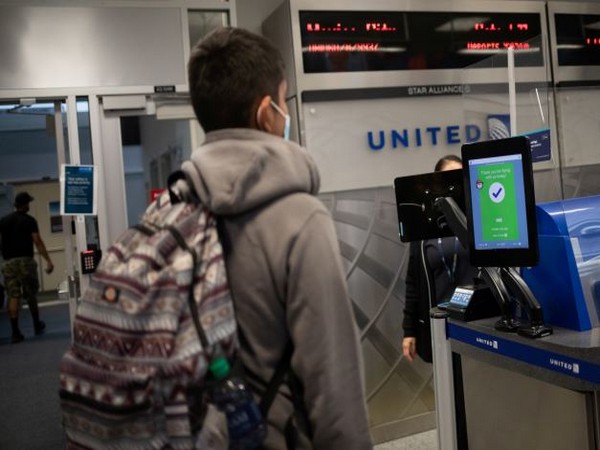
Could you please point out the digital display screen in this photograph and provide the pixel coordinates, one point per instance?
(418, 216)
(347, 41)
(461, 297)
(498, 202)
(500, 199)
(578, 39)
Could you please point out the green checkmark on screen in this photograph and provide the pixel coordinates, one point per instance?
(498, 202)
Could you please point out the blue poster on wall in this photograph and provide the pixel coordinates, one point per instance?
(540, 144)
(78, 190)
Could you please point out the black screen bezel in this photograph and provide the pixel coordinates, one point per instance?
(417, 224)
(502, 257)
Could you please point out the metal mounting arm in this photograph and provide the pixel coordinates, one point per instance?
(504, 282)
(455, 217)
(527, 300)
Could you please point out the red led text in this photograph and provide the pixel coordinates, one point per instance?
(335, 28)
(376, 26)
(493, 27)
(336, 48)
(593, 41)
(338, 27)
(497, 45)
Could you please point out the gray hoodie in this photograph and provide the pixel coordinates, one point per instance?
(287, 280)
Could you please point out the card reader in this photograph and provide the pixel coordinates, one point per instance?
(472, 303)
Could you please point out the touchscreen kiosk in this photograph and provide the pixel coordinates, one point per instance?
(500, 203)
(419, 217)
(501, 224)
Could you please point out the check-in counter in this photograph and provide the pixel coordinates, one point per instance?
(525, 393)
(508, 391)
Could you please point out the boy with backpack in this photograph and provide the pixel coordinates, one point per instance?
(281, 251)
(241, 222)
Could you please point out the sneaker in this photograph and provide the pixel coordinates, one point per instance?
(16, 338)
(39, 328)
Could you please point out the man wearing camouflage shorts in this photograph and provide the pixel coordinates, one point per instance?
(19, 233)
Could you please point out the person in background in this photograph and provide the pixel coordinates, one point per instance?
(19, 232)
(435, 268)
(281, 250)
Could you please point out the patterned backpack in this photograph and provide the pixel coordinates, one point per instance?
(157, 309)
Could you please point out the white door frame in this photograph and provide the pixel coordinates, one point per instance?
(106, 146)
(70, 259)
(105, 124)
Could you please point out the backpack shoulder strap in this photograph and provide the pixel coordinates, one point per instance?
(300, 414)
(190, 297)
(282, 369)
(283, 372)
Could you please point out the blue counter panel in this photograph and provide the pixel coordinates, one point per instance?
(556, 362)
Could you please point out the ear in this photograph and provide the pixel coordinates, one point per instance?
(264, 115)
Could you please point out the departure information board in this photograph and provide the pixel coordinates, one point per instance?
(347, 41)
(578, 39)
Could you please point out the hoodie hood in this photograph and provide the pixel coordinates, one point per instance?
(236, 170)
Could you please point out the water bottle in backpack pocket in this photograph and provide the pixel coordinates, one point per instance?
(232, 396)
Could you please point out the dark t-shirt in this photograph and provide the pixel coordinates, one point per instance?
(16, 230)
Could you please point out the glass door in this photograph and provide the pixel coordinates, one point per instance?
(33, 145)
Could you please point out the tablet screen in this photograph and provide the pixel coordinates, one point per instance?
(418, 217)
(500, 203)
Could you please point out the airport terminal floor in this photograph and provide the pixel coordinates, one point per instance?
(29, 410)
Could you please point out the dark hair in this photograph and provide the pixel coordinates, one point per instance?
(22, 199)
(446, 159)
(229, 71)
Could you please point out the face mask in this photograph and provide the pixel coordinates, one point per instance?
(288, 121)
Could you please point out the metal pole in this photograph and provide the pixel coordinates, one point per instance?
(443, 382)
(512, 92)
